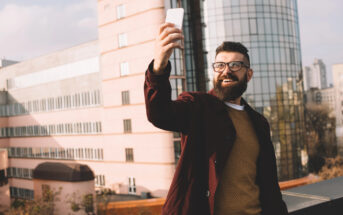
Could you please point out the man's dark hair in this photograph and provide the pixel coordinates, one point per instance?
(228, 46)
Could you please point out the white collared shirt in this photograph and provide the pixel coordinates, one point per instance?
(235, 106)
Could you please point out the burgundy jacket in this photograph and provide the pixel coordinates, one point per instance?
(207, 138)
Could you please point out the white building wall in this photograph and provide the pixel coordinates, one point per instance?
(52, 114)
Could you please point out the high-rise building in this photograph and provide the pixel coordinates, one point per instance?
(140, 156)
(270, 30)
(315, 75)
(337, 70)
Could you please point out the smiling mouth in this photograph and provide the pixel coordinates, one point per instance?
(227, 80)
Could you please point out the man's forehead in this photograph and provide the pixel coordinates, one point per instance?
(229, 56)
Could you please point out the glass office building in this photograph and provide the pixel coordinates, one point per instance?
(270, 30)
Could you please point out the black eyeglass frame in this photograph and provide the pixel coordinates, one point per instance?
(227, 64)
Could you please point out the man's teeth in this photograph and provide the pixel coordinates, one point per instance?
(227, 80)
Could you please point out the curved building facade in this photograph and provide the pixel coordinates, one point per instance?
(270, 30)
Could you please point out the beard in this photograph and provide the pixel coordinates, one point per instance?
(233, 91)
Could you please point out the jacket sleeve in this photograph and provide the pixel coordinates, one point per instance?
(161, 110)
(279, 203)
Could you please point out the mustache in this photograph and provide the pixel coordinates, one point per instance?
(228, 76)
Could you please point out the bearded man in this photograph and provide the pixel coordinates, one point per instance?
(227, 163)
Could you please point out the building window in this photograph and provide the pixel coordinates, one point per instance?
(99, 180)
(3, 177)
(124, 68)
(132, 185)
(252, 26)
(15, 172)
(127, 126)
(51, 104)
(51, 153)
(10, 83)
(125, 97)
(120, 11)
(129, 154)
(122, 40)
(21, 193)
(292, 55)
(177, 150)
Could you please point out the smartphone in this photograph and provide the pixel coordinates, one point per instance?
(175, 16)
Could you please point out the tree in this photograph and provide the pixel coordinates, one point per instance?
(44, 205)
(84, 202)
(321, 138)
(333, 168)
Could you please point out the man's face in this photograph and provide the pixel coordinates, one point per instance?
(230, 85)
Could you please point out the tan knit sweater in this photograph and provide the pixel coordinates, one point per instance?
(237, 192)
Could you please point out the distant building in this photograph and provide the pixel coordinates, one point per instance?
(315, 75)
(337, 70)
(5, 62)
(333, 98)
(325, 99)
(322, 96)
(50, 110)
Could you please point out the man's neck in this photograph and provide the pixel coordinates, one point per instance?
(236, 101)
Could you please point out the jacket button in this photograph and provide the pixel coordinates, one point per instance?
(208, 193)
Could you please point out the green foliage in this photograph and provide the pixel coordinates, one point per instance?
(75, 207)
(17, 203)
(44, 205)
(85, 203)
(321, 140)
(88, 203)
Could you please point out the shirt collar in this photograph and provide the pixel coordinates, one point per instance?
(235, 106)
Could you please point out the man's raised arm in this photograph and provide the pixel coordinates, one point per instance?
(161, 110)
(167, 39)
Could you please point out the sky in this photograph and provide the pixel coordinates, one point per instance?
(31, 28)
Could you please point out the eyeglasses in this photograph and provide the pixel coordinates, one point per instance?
(234, 66)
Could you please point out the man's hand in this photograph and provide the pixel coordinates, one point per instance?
(166, 41)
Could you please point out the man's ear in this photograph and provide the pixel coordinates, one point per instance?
(250, 73)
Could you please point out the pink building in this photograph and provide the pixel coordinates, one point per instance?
(4, 187)
(86, 105)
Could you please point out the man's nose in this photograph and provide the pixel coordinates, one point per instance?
(226, 70)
